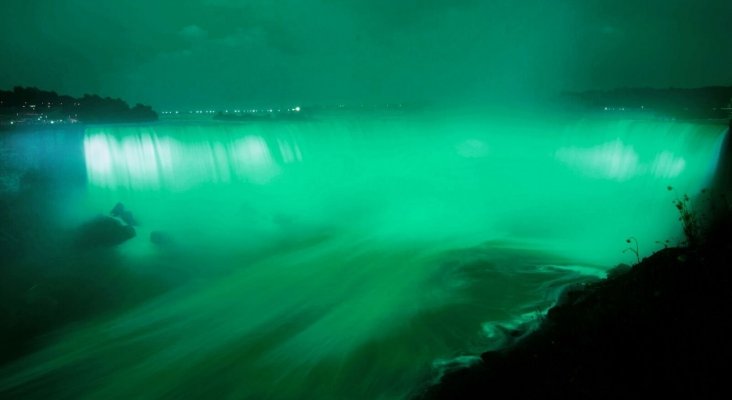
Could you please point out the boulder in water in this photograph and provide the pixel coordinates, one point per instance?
(103, 231)
(124, 214)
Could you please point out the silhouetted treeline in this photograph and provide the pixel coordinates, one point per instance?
(32, 105)
(706, 102)
(93, 108)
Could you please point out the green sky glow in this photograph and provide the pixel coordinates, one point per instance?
(218, 52)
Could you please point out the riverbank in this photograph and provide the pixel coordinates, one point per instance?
(658, 327)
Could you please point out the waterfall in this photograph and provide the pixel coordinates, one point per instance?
(347, 257)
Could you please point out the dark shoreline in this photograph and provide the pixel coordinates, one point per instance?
(657, 328)
(30, 108)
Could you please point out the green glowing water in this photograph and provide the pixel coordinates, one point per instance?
(353, 257)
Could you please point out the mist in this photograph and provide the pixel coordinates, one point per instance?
(256, 53)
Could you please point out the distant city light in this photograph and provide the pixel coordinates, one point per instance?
(236, 111)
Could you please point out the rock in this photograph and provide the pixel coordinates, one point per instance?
(618, 270)
(122, 213)
(103, 231)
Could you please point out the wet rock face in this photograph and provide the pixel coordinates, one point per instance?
(103, 231)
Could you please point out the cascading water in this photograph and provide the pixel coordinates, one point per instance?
(351, 257)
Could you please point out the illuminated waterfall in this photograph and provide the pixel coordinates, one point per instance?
(147, 161)
(350, 255)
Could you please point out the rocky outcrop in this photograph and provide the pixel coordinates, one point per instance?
(103, 231)
(657, 328)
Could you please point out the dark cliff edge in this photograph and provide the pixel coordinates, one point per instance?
(658, 327)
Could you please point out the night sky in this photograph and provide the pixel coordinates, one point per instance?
(190, 53)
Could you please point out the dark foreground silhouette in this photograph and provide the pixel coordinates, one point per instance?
(659, 327)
